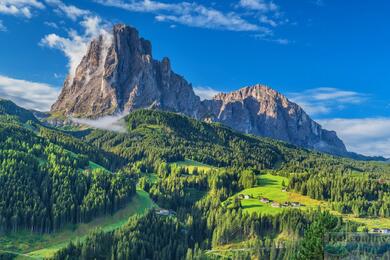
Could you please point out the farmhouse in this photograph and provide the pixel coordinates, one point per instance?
(165, 212)
(381, 230)
(247, 197)
(375, 230)
(295, 204)
(385, 231)
(264, 200)
(275, 205)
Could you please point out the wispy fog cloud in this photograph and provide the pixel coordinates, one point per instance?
(111, 123)
(259, 5)
(186, 13)
(320, 101)
(2, 27)
(368, 136)
(260, 16)
(31, 95)
(205, 92)
(71, 11)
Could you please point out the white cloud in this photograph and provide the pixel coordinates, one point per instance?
(190, 14)
(111, 123)
(20, 7)
(32, 95)
(266, 20)
(268, 37)
(2, 27)
(51, 24)
(71, 11)
(321, 101)
(75, 45)
(259, 5)
(368, 136)
(205, 92)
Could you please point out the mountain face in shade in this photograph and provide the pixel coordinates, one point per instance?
(118, 74)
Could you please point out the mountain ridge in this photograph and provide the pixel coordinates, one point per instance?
(118, 74)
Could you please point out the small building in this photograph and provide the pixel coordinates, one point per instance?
(247, 197)
(375, 230)
(264, 200)
(284, 190)
(163, 212)
(295, 204)
(385, 231)
(240, 196)
(285, 204)
(275, 205)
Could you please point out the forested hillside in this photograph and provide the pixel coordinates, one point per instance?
(47, 181)
(45, 185)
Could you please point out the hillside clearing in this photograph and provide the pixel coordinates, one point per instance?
(190, 165)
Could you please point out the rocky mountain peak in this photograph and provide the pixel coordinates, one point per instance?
(263, 111)
(118, 74)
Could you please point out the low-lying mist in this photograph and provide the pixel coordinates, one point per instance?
(112, 123)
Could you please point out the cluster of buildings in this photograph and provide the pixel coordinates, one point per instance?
(286, 204)
(274, 204)
(381, 230)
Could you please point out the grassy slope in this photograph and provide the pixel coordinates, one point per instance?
(45, 245)
(190, 165)
(270, 187)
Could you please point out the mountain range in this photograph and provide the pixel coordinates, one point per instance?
(119, 75)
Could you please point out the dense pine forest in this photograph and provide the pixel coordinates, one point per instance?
(45, 186)
(50, 178)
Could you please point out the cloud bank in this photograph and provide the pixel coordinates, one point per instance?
(368, 136)
(31, 95)
(23, 8)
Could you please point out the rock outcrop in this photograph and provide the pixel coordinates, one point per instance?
(118, 74)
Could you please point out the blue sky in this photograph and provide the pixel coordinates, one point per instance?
(332, 57)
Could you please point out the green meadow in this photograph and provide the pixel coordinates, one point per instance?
(190, 165)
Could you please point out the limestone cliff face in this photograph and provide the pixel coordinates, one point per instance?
(118, 74)
(262, 111)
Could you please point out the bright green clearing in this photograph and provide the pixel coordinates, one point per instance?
(190, 165)
(270, 187)
(45, 245)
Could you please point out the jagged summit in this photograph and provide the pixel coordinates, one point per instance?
(261, 110)
(118, 74)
